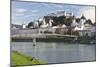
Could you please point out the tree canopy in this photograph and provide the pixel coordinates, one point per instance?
(88, 22)
(30, 24)
(78, 20)
(62, 20)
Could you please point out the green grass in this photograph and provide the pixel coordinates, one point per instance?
(20, 59)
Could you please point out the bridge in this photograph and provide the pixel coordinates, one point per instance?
(34, 34)
(42, 36)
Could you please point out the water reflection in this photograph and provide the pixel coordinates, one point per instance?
(56, 52)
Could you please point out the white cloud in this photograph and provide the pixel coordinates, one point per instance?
(20, 14)
(20, 10)
(67, 10)
(34, 3)
(58, 6)
(28, 16)
(34, 11)
(51, 5)
(89, 13)
(44, 4)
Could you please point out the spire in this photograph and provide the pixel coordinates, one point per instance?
(83, 17)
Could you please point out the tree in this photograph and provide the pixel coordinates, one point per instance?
(69, 32)
(78, 20)
(30, 24)
(47, 18)
(55, 21)
(88, 22)
(94, 24)
(62, 19)
(69, 21)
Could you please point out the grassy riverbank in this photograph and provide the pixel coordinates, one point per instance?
(18, 59)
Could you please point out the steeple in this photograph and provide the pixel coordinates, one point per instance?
(83, 17)
(83, 20)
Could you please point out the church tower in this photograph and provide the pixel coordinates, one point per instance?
(83, 19)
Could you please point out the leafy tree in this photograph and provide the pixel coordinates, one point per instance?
(94, 24)
(40, 23)
(55, 21)
(77, 20)
(69, 21)
(30, 24)
(69, 32)
(47, 18)
(88, 22)
(59, 20)
(62, 19)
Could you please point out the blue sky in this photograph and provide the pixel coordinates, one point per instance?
(24, 12)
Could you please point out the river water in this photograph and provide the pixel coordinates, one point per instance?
(54, 52)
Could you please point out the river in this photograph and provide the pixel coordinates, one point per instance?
(54, 52)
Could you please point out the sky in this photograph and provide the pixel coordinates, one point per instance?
(25, 12)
